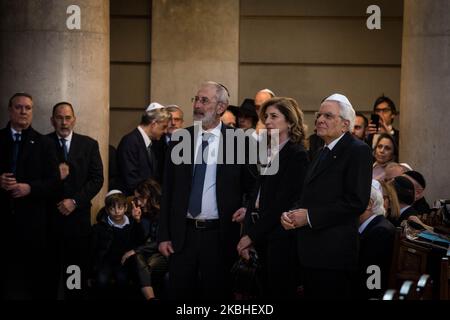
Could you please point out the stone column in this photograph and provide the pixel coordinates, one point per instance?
(425, 93)
(193, 41)
(56, 55)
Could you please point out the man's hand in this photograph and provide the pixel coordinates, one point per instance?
(20, 190)
(382, 127)
(239, 215)
(244, 243)
(165, 248)
(7, 181)
(245, 253)
(66, 207)
(294, 219)
(136, 212)
(127, 255)
(64, 170)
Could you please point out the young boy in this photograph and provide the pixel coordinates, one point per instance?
(114, 235)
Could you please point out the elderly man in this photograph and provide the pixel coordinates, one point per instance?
(376, 243)
(81, 171)
(336, 191)
(261, 97)
(137, 155)
(176, 120)
(196, 228)
(28, 178)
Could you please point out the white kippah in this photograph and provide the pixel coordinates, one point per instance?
(339, 97)
(110, 193)
(405, 165)
(154, 106)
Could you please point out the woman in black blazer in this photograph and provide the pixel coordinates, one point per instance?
(277, 193)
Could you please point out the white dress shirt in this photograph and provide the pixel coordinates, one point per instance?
(147, 140)
(209, 197)
(68, 141)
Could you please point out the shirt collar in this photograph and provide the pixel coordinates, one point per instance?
(13, 132)
(334, 142)
(68, 138)
(216, 131)
(147, 140)
(363, 226)
(404, 209)
(120, 226)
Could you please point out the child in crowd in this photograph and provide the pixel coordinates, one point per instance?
(114, 235)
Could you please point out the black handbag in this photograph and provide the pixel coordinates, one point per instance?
(246, 278)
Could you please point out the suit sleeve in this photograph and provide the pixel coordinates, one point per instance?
(49, 182)
(128, 160)
(166, 199)
(354, 198)
(95, 178)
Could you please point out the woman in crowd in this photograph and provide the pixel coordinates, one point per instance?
(390, 201)
(385, 152)
(276, 194)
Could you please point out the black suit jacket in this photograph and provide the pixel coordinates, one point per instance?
(25, 219)
(82, 184)
(279, 193)
(376, 244)
(134, 161)
(233, 181)
(335, 194)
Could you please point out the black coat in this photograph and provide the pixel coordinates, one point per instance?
(335, 194)
(25, 219)
(82, 184)
(376, 244)
(134, 162)
(233, 182)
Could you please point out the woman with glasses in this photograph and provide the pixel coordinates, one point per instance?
(277, 193)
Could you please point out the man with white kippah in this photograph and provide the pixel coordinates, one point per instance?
(336, 191)
(137, 155)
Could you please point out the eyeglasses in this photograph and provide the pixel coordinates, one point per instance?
(203, 100)
(327, 115)
(384, 110)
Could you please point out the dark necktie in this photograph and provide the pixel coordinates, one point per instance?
(64, 147)
(322, 156)
(151, 159)
(15, 155)
(198, 180)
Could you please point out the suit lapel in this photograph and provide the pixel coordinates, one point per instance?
(334, 155)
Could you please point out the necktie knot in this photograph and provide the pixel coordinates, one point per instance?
(17, 137)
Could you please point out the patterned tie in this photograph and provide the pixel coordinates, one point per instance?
(15, 155)
(64, 147)
(198, 180)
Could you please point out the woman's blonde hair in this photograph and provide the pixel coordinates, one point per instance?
(293, 114)
(393, 212)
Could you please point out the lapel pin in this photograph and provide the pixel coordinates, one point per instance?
(31, 141)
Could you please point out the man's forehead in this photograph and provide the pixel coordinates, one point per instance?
(207, 90)
(22, 100)
(329, 105)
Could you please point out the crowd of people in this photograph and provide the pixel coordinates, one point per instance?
(173, 229)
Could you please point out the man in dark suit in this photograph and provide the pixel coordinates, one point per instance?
(81, 171)
(376, 244)
(138, 154)
(28, 178)
(196, 228)
(336, 191)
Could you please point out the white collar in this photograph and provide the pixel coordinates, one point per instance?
(334, 142)
(120, 226)
(147, 139)
(363, 225)
(68, 138)
(216, 131)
